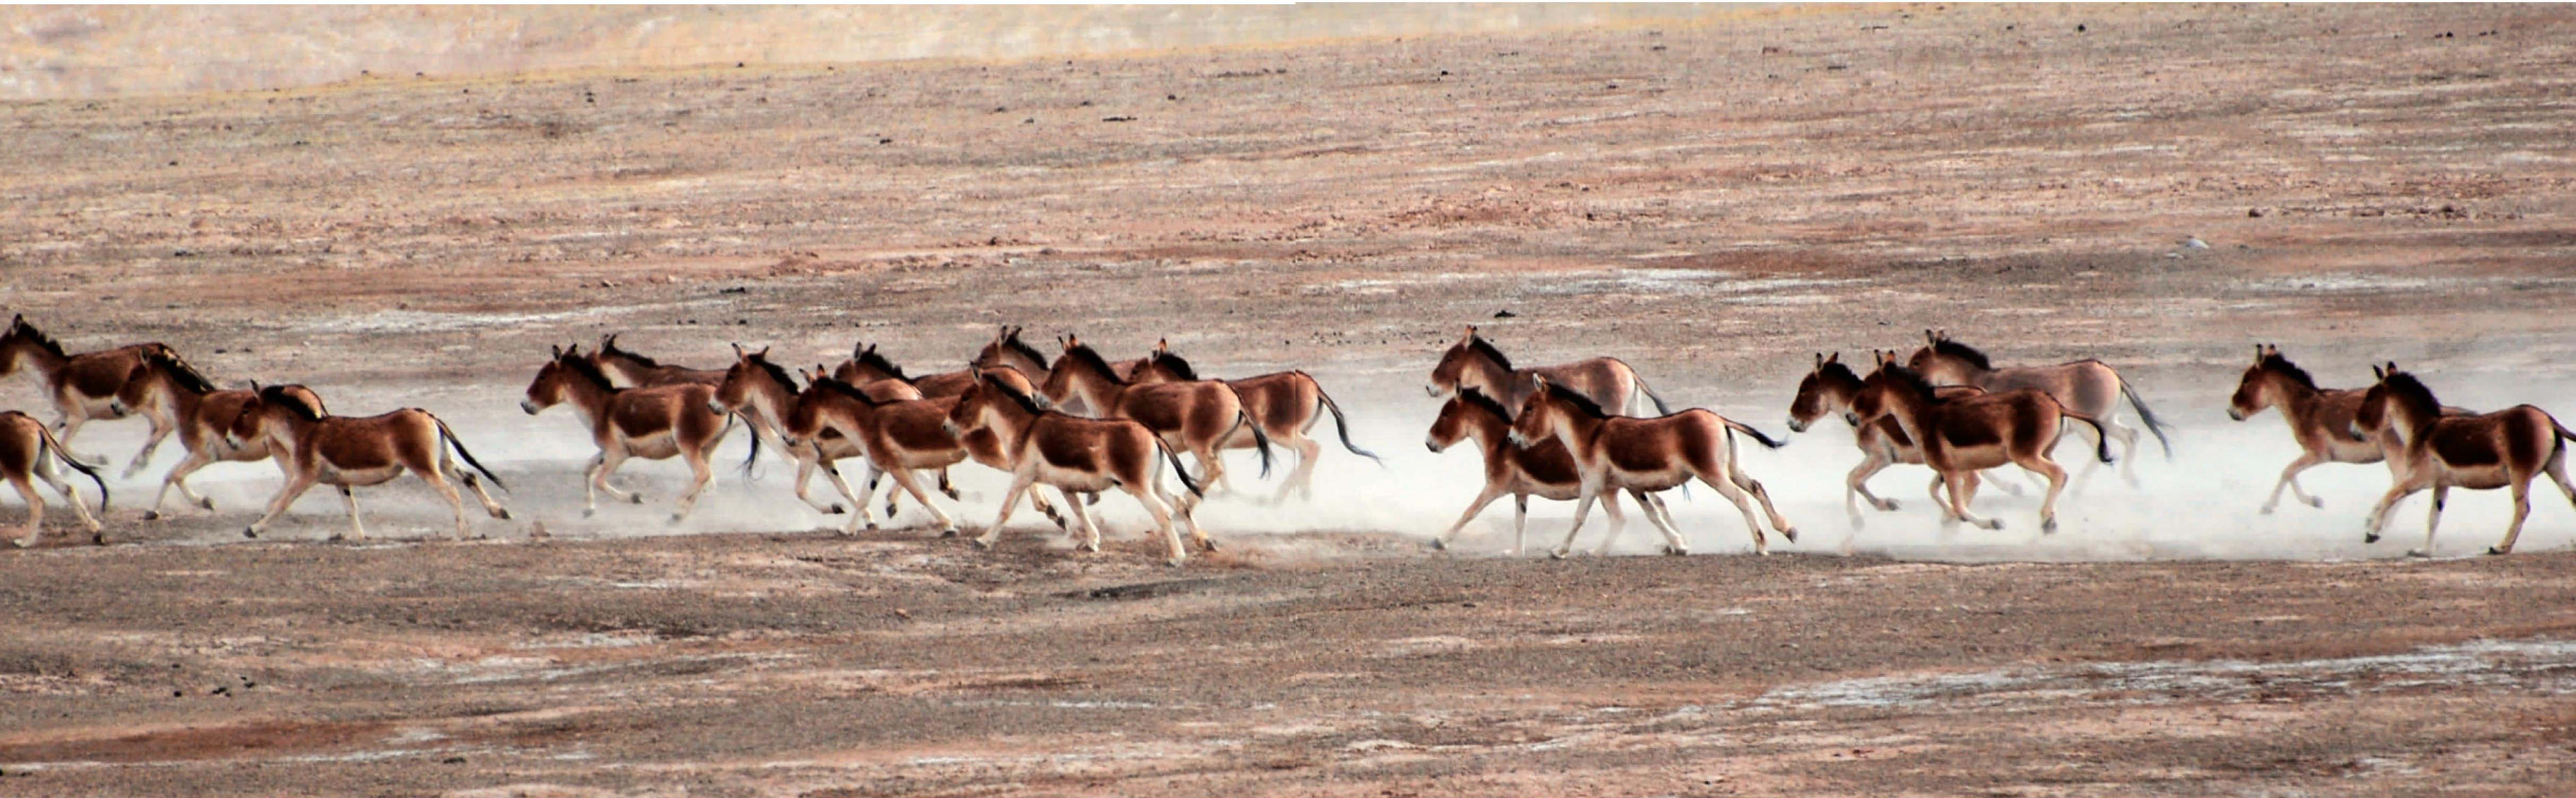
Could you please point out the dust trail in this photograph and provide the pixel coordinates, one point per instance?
(2201, 504)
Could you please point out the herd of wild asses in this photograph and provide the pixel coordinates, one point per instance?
(1083, 425)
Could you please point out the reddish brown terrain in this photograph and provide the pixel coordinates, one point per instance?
(2159, 187)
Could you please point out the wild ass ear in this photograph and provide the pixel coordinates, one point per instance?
(763, 353)
(1820, 358)
(558, 350)
(1471, 333)
(1836, 357)
(2378, 373)
(1163, 345)
(1929, 337)
(737, 350)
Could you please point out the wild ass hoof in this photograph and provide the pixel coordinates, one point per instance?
(948, 533)
(208, 504)
(1092, 546)
(2047, 526)
(2418, 553)
(2316, 502)
(1559, 554)
(635, 498)
(152, 515)
(1994, 523)
(503, 513)
(22, 542)
(251, 532)
(1677, 551)
(1789, 534)
(2369, 537)
(2267, 509)
(1439, 545)
(676, 518)
(2493, 551)
(97, 538)
(981, 544)
(1887, 505)
(1207, 544)
(587, 512)
(336, 537)
(836, 509)
(1176, 562)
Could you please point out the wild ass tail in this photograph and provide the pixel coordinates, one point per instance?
(2154, 424)
(1342, 425)
(1174, 458)
(55, 447)
(449, 436)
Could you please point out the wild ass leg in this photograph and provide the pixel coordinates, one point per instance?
(160, 429)
(357, 530)
(1646, 503)
(1857, 485)
(1959, 483)
(286, 495)
(437, 480)
(1020, 482)
(2128, 450)
(2056, 476)
(806, 465)
(1520, 525)
(904, 478)
(1153, 498)
(2433, 520)
(1302, 478)
(1492, 491)
(2521, 511)
(1779, 523)
(1743, 500)
(1082, 527)
(46, 471)
(68, 425)
(178, 478)
(1582, 508)
(2378, 518)
(35, 511)
(703, 474)
(2290, 480)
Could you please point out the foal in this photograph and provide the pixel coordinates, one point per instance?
(2088, 388)
(27, 454)
(655, 423)
(200, 411)
(85, 387)
(1074, 454)
(1545, 470)
(2317, 417)
(1959, 436)
(2427, 449)
(1614, 452)
(1473, 362)
(316, 448)
(1285, 405)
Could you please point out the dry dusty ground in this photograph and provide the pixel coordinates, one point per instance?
(1711, 203)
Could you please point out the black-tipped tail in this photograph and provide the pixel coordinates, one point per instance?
(462, 454)
(1343, 426)
(1767, 441)
(65, 456)
(2154, 425)
(1183, 473)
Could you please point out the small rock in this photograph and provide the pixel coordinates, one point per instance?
(1505, 313)
(2079, 27)
(2253, 213)
(2194, 242)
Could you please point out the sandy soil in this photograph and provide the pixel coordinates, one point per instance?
(1711, 203)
